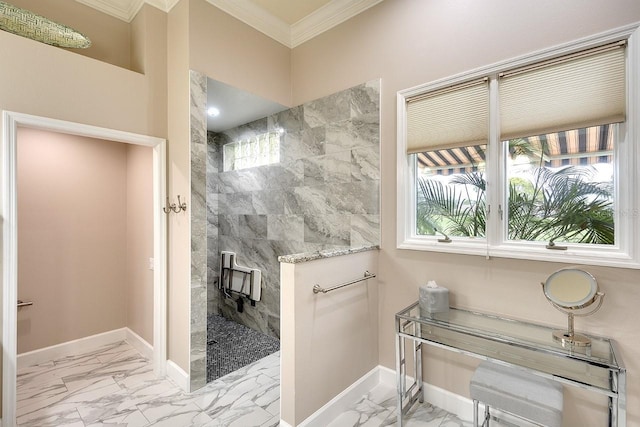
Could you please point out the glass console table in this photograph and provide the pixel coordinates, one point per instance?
(510, 342)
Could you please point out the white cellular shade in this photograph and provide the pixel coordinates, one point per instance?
(584, 90)
(453, 117)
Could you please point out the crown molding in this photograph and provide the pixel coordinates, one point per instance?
(125, 10)
(323, 19)
(163, 5)
(327, 17)
(256, 17)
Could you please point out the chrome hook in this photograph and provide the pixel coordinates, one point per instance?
(168, 207)
(182, 206)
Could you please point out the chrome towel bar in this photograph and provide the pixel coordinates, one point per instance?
(24, 304)
(317, 288)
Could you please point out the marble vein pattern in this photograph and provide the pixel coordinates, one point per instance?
(199, 225)
(378, 408)
(322, 195)
(115, 385)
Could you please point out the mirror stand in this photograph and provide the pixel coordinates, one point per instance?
(569, 337)
(573, 292)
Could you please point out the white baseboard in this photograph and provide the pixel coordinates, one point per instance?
(444, 399)
(70, 348)
(284, 424)
(83, 345)
(343, 401)
(176, 374)
(139, 343)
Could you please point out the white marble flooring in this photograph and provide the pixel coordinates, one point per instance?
(115, 386)
(378, 408)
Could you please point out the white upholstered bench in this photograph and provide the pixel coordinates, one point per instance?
(516, 392)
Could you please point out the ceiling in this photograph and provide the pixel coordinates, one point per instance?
(290, 22)
(236, 107)
(291, 11)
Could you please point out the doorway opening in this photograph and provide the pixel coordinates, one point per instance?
(11, 122)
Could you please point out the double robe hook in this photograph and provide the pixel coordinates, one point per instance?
(181, 206)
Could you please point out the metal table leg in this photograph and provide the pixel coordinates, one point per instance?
(400, 380)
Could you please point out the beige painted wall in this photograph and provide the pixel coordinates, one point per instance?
(72, 237)
(138, 290)
(47, 81)
(85, 236)
(416, 41)
(149, 56)
(330, 340)
(110, 37)
(225, 49)
(178, 175)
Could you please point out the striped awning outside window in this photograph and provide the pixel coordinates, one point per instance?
(584, 146)
(576, 147)
(453, 160)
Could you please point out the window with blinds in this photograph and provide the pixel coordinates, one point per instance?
(559, 120)
(453, 117)
(447, 131)
(523, 161)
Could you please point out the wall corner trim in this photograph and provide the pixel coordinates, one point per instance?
(139, 343)
(176, 374)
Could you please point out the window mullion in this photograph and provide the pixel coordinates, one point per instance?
(495, 171)
(627, 233)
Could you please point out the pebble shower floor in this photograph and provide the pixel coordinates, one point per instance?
(231, 346)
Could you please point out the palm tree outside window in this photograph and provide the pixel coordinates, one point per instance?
(560, 188)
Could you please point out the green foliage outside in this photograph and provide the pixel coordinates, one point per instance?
(562, 205)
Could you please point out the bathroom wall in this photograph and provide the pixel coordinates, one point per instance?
(324, 193)
(198, 214)
(139, 203)
(198, 36)
(329, 341)
(83, 239)
(110, 37)
(410, 42)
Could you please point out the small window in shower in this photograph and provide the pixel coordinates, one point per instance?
(260, 150)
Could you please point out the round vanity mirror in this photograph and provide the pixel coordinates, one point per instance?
(570, 290)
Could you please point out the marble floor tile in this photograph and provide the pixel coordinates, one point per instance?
(29, 392)
(115, 386)
(378, 408)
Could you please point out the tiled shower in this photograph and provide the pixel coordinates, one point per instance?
(322, 193)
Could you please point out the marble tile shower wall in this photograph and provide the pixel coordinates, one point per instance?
(323, 194)
(199, 228)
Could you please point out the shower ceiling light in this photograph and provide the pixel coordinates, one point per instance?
(213, 112)
(28, 24)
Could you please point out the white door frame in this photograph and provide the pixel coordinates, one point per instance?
(10, 123)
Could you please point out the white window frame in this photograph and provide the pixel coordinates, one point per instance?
(626, 251)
